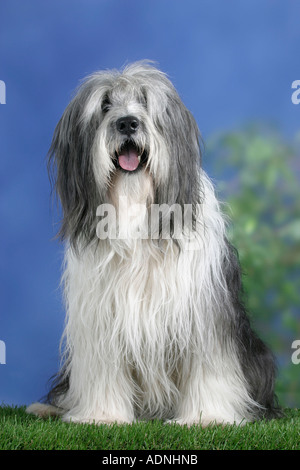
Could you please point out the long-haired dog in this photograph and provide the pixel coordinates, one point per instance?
(155, 325)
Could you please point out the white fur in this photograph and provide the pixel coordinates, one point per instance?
(132, 307)
(147, 319)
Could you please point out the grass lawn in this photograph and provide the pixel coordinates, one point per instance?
(25, 432)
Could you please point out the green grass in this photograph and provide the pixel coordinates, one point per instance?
(21, 431)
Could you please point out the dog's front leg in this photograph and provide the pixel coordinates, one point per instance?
(105, 400)
(213, 395)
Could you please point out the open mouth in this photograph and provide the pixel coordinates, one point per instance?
(130, 157)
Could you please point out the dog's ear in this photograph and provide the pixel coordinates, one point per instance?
(181, 134)
(70, 167)
(185, 153)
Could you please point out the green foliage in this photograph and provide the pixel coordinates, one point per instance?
(19, 431)
(262, 200)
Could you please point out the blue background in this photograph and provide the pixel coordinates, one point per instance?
(232, 62)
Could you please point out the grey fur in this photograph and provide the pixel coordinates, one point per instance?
(70, 155)
(83, 159)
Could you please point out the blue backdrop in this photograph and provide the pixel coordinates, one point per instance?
(231, 62)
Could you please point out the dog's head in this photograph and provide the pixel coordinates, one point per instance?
(123, 124)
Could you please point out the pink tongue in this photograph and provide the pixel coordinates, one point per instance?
(129, 160)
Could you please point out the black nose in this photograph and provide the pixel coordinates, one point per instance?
(127, 125)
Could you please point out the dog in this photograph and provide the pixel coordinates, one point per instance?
(155, 321)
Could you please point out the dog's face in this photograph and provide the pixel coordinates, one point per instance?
(120, 126)
(129, 136)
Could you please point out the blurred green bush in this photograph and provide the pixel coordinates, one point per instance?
(261, 189)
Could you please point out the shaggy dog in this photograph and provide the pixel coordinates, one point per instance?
(155, 324)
